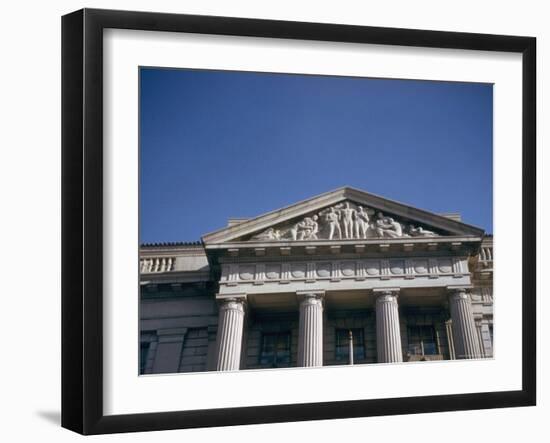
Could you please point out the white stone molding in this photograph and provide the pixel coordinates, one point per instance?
(259, 278)
(335, 274)
(310, 272)
(230, 332)
(310, 341)
(432, 263)
(388, 333)
(409, 269)
(466, 341)
(385, 269)
(432, 246)
(285, 250)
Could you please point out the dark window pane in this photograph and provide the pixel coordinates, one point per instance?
(342, 344)
(422, 340)
(275, 351)
(143, 351)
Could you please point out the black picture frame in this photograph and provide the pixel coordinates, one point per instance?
(82, 218)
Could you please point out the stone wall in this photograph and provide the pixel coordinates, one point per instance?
(178, 324)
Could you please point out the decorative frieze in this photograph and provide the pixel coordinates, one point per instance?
(285, 273)
(260, 274)
(336, 270)
(385, 269)
(361, 268)
(432, 263)
(310, 272)
(335, 275)
(457, 266)
(409, 269)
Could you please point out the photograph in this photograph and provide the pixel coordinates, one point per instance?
(291, 221)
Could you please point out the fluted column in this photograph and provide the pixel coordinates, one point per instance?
(230, 333)
(388, 333)
(464, 328)
(310, 342)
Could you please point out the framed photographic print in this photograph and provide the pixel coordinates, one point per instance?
(269, 221)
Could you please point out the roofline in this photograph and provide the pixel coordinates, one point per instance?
(196, 243)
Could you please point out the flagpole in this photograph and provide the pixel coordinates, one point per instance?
(350, 347)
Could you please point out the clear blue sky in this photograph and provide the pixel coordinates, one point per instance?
(217, 144)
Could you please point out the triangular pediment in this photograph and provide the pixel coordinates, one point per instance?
(343, 214)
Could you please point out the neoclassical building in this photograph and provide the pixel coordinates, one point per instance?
(345, 277)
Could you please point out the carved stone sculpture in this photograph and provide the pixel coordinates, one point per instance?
(420, 232)
(361, 223)
(344, 220)
(333, 220)
(348, 219)
(388, 227)
(307, 229)
(269, 234)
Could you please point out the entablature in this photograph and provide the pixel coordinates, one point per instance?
(344, 273)
(319, 249)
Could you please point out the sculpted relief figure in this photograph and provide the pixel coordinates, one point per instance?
(348, 214)
(362, 222)
(344, 220)
(269, 234)
(307, 229)
(333, 220)
(420, 232)
(388, 227)
(312, 227)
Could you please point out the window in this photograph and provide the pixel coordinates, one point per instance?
(275, 351)
(342, 345)
(422, 340)
(143, 352)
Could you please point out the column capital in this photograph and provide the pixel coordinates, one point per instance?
(310, 297)
(386, 294)
(458, 292)
(231, 301)
(459, 288)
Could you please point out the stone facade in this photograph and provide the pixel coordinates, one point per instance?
(346, 277)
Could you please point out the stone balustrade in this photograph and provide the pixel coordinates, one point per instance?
(149, 265)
